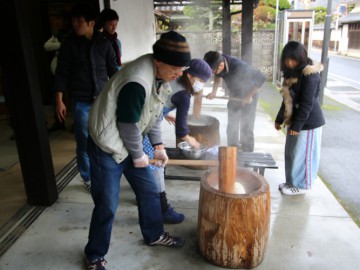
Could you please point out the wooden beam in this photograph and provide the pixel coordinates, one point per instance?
(188, 162)
(236, 12)
(226, 27)
(247, 31)
(26, 109)
(203, 3)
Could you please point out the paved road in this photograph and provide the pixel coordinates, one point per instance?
(344, 69)
(340, 154)
(343, 82)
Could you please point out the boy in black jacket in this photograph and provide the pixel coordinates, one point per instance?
(86, 61)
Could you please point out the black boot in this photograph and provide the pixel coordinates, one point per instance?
(163, 202)
(170, 216)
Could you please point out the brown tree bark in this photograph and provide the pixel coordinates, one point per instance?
(233, 229)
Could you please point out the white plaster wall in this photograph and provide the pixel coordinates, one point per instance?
(335, 35)
(136, 26)
(317, 35)
(343, 45)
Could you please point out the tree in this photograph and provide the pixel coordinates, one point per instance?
(283, 4)
(201, 14)
(264, 16)
(350, 7)
(265, 13)
(320, 13)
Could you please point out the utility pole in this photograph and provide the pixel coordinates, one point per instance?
(324, 52)
(276, 45)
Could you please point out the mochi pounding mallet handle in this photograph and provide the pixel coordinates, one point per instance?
(227, 169)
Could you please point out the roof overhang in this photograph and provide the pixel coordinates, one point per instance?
(204, 3)
(350, 18)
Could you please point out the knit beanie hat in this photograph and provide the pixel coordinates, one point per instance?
(199, 68)
(172, 49)
(214, 59)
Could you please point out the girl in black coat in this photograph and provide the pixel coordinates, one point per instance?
(301, 112)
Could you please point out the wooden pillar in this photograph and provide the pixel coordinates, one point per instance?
(197, 105)
(227, 169)
(247, 31)
(226, 27)
(26, 109)
(107, 4)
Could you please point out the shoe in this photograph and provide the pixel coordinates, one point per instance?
(172, 217)
(282, 185)
(87, 185)
(97, 265)
(167, 240)
(292, 191)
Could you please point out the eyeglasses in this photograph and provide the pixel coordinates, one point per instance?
(178, 69)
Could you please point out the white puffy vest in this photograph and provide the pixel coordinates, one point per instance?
(102, 120)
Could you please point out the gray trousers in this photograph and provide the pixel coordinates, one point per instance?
(241, 121)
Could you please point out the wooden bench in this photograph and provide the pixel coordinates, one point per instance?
(258, 161)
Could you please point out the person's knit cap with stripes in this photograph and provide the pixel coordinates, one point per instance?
(172, 49)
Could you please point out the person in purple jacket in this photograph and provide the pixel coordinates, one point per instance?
(190, 83)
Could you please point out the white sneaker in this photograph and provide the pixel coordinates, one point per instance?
(282, 185)
(292, 191)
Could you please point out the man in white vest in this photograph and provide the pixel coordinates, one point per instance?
(130, 106)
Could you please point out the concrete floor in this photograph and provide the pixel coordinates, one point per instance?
(12, 191)
(307, 232)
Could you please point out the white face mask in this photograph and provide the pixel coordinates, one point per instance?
(197, 86)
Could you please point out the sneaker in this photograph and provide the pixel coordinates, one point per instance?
(87, 185)
(292, 191)
(282, 185)
(167, 240)
(97, 265)
(172, 217)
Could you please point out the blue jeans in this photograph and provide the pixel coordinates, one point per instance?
(302, 158)
(158, 172)
(105, 188)
(80, 114)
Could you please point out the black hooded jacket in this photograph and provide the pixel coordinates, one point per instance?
(300, 109)
(84, 66)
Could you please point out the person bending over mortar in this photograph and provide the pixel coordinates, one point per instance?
(129, 107)
(243, 82)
